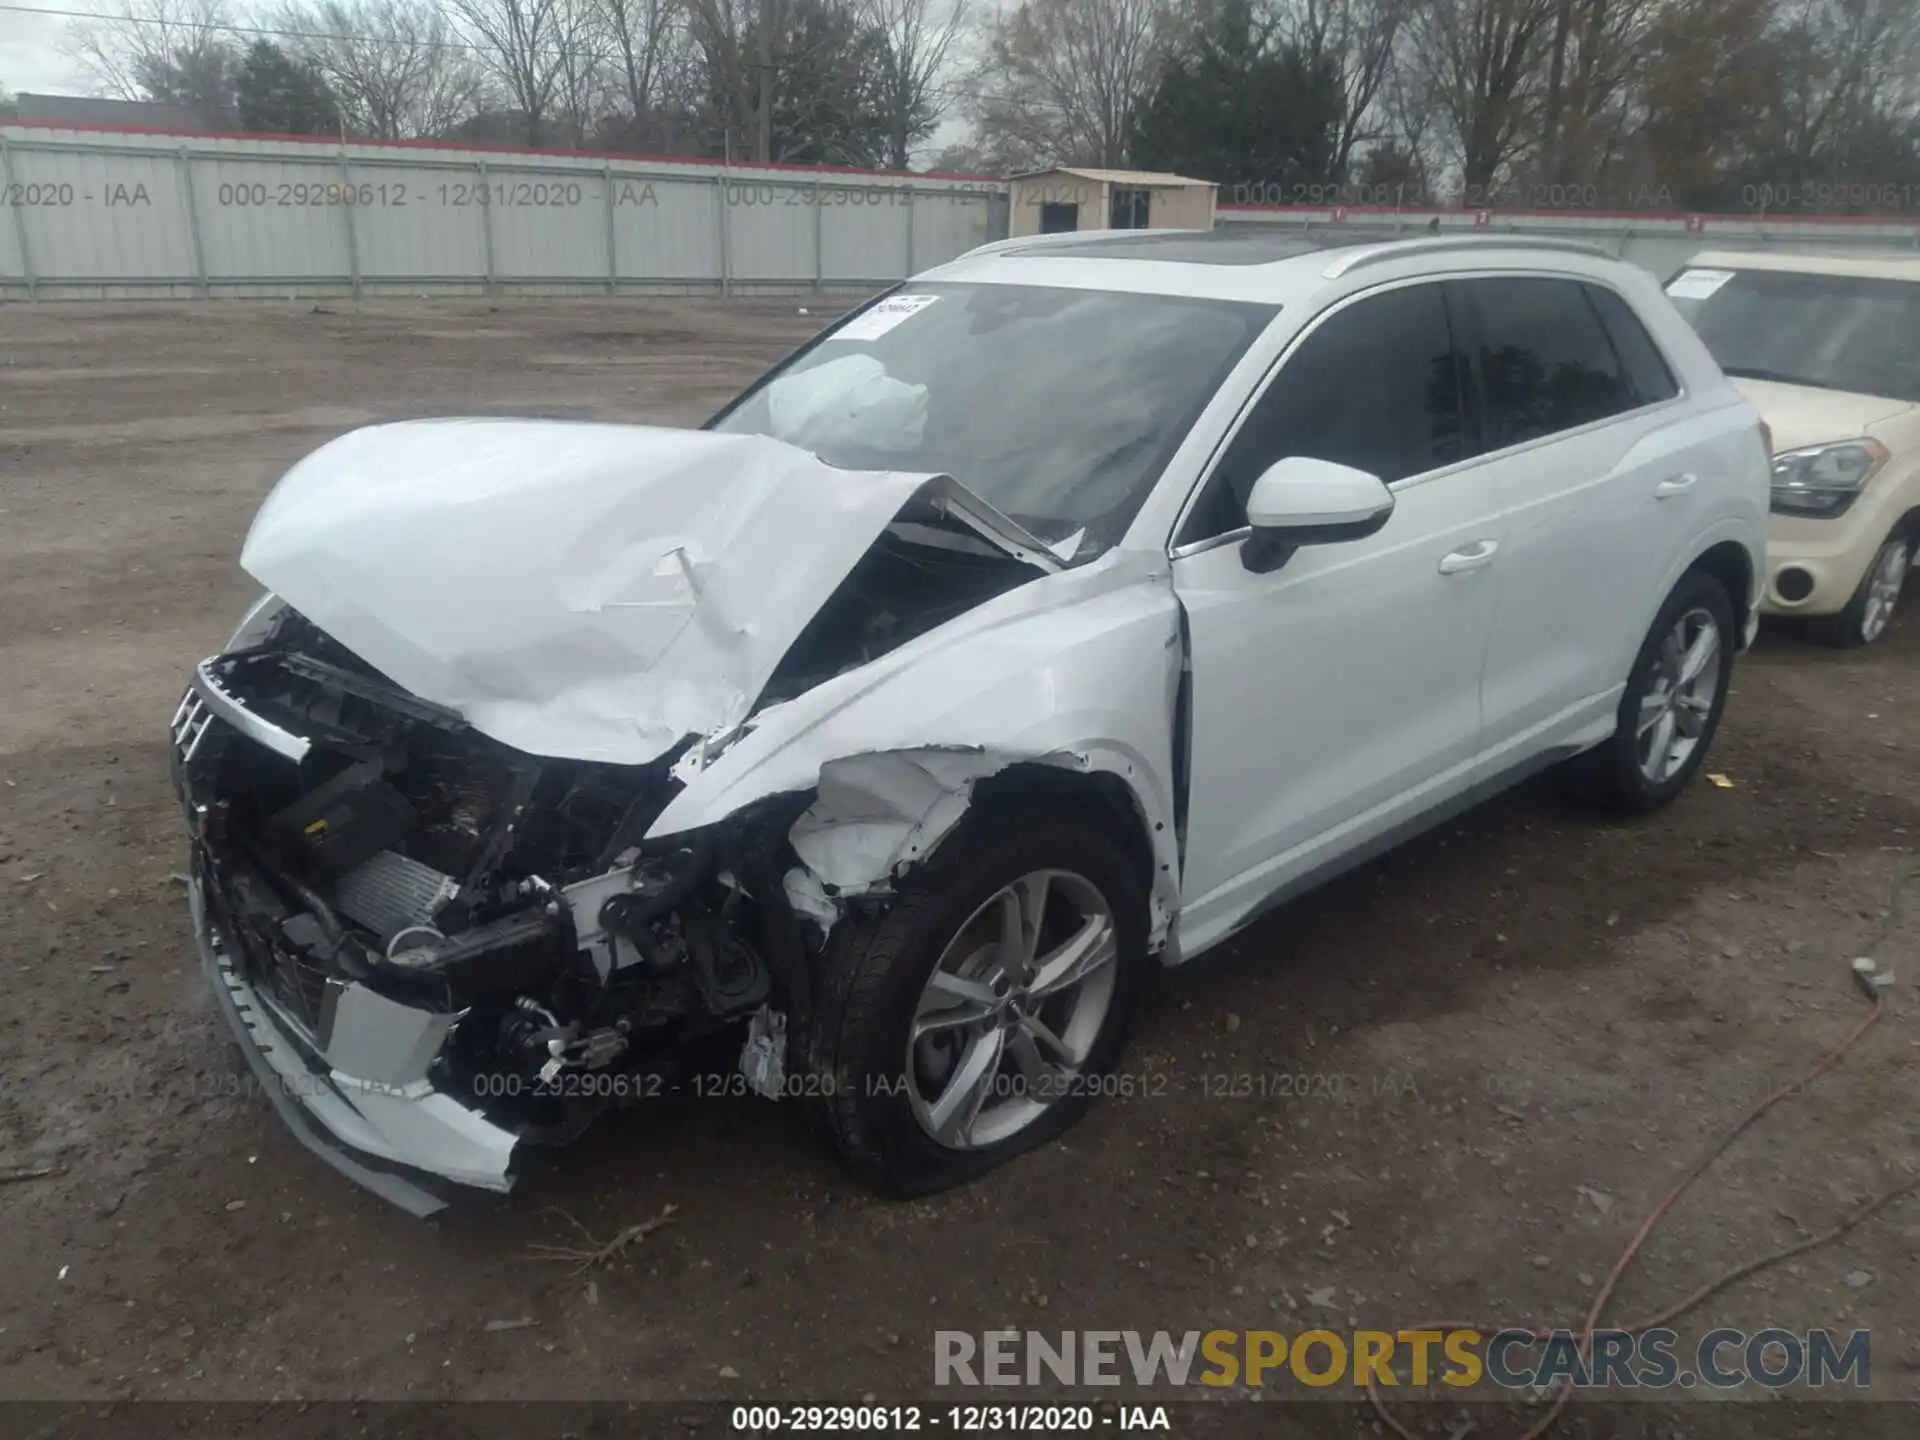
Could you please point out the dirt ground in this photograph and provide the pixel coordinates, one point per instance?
(1538, 1019)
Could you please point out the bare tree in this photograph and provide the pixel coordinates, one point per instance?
(1843, 61)
(1738, 102)
(583, 85)
(920, 36)
(644, 36)
(1479, 64)
(1705, 88)
(176, 50)
(1064, 79)
(1355, 41)
(1592, 55)
(396, 67)
(1401, 160)
(789, 80)
(726, 74)
(1409, 120)
(523, 43)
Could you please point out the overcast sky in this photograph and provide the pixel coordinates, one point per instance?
(28, 57)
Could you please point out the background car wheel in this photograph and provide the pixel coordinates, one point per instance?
(1870, 610)
(975, 1018)
(1672, 705)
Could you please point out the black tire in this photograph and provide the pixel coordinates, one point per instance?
(1610, 776)
(876, 967)
(1847, 630)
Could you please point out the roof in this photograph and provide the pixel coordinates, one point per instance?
(1881, 264)
(1198, 247)
(1145, 179)
(1274, 265)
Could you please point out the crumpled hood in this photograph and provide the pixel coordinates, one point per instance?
(592, 592)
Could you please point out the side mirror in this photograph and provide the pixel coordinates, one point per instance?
(1299, 501)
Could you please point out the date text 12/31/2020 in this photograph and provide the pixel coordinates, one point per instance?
(405, 194)
(645, 1085)
(1213, 1085)
(872, 1419)
(539, 194)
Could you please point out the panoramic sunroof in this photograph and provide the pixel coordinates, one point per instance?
(1217, 247)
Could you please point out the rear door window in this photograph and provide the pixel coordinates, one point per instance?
(1545, 362)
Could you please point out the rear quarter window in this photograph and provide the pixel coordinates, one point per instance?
(1646, 368)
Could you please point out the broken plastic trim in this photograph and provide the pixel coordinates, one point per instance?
(876, 816)
(207, 686)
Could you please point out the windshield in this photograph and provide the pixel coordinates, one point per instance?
(1058, 407)
(1834, 332)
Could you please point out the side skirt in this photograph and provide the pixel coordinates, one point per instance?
(1392, 838)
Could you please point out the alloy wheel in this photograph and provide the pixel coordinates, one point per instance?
(1679, 700)
(1883, 589)
(1012, 1010)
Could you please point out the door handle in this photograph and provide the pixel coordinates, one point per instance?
(1676, 485)
(1473, 557)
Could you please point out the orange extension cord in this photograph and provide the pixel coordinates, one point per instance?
(1647, 1226)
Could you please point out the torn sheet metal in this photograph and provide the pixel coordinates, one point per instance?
(947, 496)
(875, 815)
(1081, 670)
(593, 592)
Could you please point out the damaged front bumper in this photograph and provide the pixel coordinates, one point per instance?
(356, 1095)
(416, 1059)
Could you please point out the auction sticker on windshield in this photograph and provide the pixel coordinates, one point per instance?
(1696, 284)
(872, 324)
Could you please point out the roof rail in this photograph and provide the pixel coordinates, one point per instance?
(1428, 244)
(1063, 237)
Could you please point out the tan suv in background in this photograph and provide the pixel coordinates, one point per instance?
(1828, 349)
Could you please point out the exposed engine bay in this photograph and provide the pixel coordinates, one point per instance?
(914, 578)
(352, 836)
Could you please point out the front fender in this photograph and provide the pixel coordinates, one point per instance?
(1079, 669)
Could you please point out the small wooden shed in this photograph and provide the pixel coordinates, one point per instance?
(1074, 197)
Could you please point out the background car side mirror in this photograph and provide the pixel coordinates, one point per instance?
(1300, 501)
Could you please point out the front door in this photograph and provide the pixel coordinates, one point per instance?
(1339, 695)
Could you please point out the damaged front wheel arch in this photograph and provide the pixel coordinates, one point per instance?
(1102, 797)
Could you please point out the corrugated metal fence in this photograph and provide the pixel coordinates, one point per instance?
(93, 214)
(108, 213)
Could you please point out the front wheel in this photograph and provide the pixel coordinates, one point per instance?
(1870, 610)
(980, 1015)
(1674, 698)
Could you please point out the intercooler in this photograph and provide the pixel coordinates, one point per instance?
(388, 893)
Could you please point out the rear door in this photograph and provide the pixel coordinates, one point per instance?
(1593, 459)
